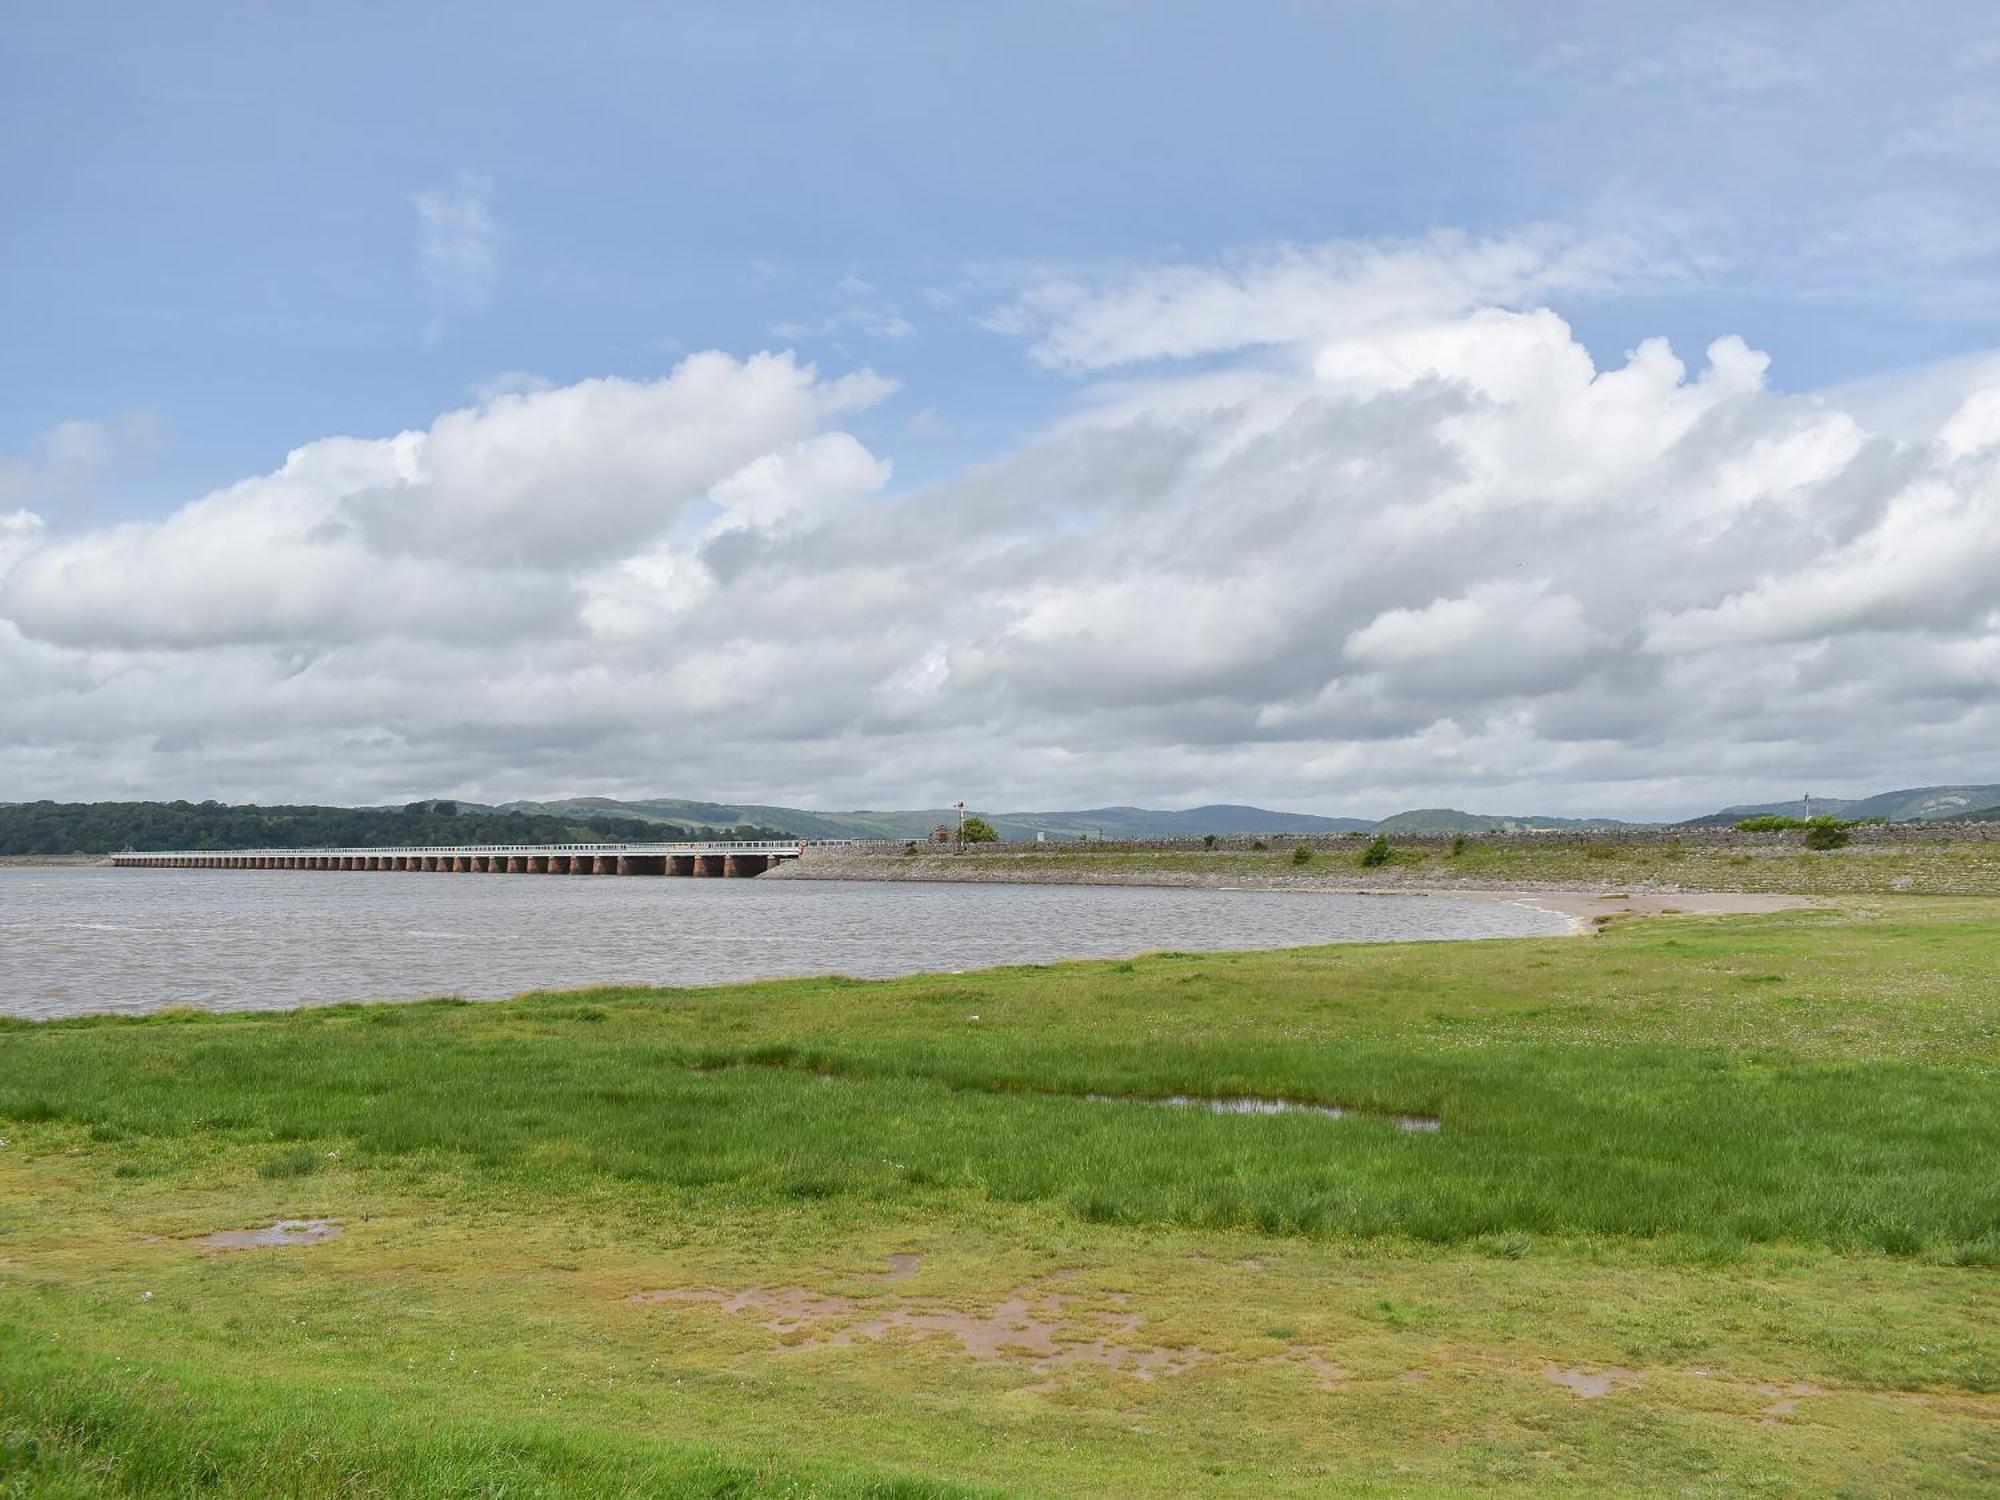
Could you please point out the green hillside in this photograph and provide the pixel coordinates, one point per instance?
(55, 828)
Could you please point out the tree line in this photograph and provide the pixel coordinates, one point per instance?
(109, 827)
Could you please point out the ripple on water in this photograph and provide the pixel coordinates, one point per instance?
(250, 939)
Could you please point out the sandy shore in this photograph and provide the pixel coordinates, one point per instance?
(1589, 910)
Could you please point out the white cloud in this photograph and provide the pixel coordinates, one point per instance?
(69, 469)
(1300, 295)
(1433, 552)
(1964, 129)
(1721, 58)
(455, 242)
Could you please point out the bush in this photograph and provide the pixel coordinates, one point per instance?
(1259, 845)
(1827, 835)
(1457, 845)
(1302, 855)
(1208, 841)
(976, 830)
(1377, 852)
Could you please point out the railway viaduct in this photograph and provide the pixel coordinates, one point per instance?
(719, 859)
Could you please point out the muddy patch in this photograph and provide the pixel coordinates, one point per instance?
(1787, 1400)
(284, 1232)
(1330, 1376)
(1590, 1385)
(1254, 1104)
(1033, 1326)
(901, 1268)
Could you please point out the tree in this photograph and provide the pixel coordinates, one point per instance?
(976, 830)
(1377, 852)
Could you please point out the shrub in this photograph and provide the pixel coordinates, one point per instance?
(1600, 850)
(1377, 852)
(1457, 845)
(1208, 841)
(976, 830)
(1302, 855)
(1827, 835)
(1259, 845)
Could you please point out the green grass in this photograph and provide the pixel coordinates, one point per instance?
(1942, 869)
(1725, 1154)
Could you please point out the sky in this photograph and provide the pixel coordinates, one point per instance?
(1556, 408)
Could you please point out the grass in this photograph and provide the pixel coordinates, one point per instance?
(1747, 1160)
(1940, 869)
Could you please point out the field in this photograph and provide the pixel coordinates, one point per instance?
(1697, 1206)
(1912, 866)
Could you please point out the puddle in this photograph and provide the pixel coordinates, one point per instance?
(1589, 1386)
(1788, 1395)
(284, 1232)
(1031, 1325)
(1252, 1104)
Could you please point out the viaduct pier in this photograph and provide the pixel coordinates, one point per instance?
(718, 859)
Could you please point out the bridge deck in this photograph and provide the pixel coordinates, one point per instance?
(716, 857)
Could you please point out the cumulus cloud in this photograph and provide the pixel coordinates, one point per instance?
(1301, 294)
(1435, 552)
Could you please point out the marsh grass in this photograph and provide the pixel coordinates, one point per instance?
(1969, 869)
(90, 1427)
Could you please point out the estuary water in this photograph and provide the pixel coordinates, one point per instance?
(82, 939)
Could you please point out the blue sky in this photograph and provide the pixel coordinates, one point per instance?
(232, 231)
(210, 207)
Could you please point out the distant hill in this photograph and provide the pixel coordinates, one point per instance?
(1451, 820)
(106, 827)
(1094, 822)
(1978, 815)
(1911, 805)
(916, 823)
(1193, 822)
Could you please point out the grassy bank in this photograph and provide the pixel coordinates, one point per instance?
(1709, 1208)
(1940, 869)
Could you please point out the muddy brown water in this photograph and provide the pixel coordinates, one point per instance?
(74, 940)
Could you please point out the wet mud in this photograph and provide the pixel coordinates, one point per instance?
(284, 1232)
(1035, 1326)
(1588, 1385)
